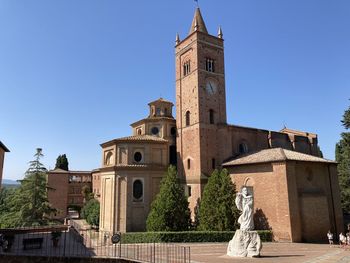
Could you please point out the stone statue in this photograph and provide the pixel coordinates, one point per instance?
(244, 203)
(245, 242)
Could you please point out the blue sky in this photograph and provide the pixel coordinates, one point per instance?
(74, 74)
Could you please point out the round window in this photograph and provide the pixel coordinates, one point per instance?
(137, 157)
(137, 189)
(173, 131)
(155, 130)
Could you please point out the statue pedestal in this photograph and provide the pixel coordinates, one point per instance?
(244, 244)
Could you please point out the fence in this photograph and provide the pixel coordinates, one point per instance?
(64, 241)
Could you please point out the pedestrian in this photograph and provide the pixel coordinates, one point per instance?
(342, 240)
(330, 238)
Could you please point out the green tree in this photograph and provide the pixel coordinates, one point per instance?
(217, 210)
(30, 206)
(62, 162)
(6, 197)
(169, 210)
(87, 194)
(91, 212)
(342, 156)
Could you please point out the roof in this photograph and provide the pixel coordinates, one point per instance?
(151, 119)
(275, 155)
(161, 100)
(59, 170)
(296, 132)
(137, 138)
(4, 147)
(198, 22)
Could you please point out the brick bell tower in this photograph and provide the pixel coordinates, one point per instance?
(200, 105)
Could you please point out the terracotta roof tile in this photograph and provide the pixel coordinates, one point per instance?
(274, 155)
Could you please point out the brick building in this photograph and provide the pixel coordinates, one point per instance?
(3, 149)
(65, 190)
(293, 186)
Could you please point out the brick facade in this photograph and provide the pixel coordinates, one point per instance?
(65, 190)
(3, 149)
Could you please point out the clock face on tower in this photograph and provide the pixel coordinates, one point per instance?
(211, 87)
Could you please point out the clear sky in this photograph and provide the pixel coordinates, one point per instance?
(74, 74)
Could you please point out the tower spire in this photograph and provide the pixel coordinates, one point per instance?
(220, 34)
(198, 23)
(177, 40)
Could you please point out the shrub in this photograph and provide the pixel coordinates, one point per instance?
(186, 236)
(91, 212)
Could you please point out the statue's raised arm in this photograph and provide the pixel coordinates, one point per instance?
(238, 201)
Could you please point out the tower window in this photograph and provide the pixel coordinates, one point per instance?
(158, 111)
(188, 118)
(213, 164)
(209, 65)
(187, 68)
(189, 190)
(188, 164)
(211, 116)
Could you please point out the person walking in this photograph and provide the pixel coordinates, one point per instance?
(330, 238)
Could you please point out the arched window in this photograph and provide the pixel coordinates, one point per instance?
(187, 68)
(137, 190)
(243, 148)
(188, 116)
(211, 116)
(209, 65)
(108, 160)
(188, 163)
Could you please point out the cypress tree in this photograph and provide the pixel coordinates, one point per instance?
(62, 162)
(342, 156)
(169, 210)
(217, 210)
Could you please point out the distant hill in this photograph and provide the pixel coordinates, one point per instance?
(10, 183)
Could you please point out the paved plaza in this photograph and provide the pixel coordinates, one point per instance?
(272, 252)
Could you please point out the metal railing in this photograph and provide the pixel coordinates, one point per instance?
(39, 241)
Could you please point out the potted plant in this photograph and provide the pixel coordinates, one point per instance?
(55, 237)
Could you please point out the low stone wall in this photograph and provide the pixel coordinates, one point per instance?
(28, 259)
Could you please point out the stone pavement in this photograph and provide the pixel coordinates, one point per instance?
(272, 252)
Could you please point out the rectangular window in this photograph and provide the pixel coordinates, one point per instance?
(209, 65)
(213, 165)
(189, 189)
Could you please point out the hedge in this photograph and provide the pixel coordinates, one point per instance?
(186, 236)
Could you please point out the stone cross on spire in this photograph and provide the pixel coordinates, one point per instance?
(198, 23)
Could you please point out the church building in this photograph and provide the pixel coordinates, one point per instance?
(293, 186)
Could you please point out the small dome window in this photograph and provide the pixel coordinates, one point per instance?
(155, 130)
